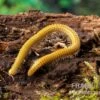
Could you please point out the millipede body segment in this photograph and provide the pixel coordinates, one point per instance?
(75, 45)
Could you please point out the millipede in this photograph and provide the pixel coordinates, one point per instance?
(71, 49)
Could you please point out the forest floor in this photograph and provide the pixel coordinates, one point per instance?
(55, 78)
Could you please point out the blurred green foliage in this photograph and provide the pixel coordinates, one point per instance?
(88, 7)
(75, 6)
(15, 6)
(65, 3)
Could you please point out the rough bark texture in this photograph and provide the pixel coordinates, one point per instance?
(53, 77)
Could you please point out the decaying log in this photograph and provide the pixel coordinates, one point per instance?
(16, 29)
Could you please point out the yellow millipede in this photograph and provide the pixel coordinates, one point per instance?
(75, 45)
